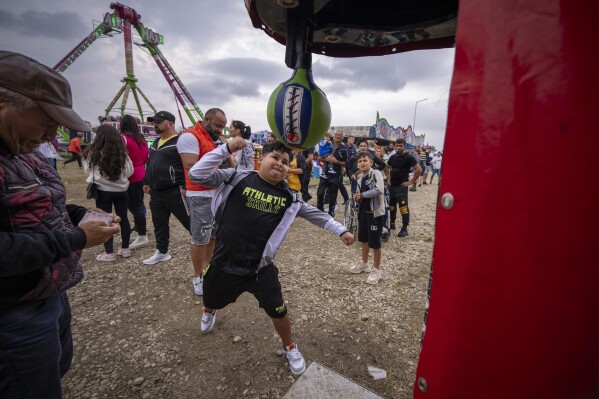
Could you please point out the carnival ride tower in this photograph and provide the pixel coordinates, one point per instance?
(130, 81)
(122, 20)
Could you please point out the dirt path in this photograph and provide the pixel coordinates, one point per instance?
(136, 327)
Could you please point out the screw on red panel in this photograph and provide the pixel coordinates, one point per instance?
(422, 384)
(447, 201)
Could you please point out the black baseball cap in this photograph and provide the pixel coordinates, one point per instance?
(49, 89)
(162, 115)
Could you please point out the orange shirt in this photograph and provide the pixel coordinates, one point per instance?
(74, 145)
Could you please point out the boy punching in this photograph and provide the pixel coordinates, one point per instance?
(253, 213)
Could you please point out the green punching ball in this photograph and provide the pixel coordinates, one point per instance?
(298, 112)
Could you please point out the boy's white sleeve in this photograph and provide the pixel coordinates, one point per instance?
(321, 219)
(204, 172)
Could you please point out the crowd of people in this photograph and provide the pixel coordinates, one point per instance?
(206, 180)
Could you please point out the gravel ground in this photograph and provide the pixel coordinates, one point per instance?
(136, 327)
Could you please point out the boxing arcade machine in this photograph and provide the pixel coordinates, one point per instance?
(514, 296)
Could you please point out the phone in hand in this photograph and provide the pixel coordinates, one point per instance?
(92, 216)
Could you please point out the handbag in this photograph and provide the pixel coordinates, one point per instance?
(92, 188)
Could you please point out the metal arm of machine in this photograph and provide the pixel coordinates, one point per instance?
(298, 52)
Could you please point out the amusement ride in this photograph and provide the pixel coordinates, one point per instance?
(124, 19)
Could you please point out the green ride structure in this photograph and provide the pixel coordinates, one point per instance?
(123, 19)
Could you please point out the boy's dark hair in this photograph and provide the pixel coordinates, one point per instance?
(276, 146)
(364, 154)
(400, 141)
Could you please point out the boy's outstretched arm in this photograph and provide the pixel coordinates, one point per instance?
(204, 172)
(325, 221)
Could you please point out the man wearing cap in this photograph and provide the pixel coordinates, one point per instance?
(165, 182)
(192, 145)
(40, 241)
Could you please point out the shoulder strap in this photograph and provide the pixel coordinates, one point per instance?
(230, 179)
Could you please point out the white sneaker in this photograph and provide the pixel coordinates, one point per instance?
(297, 364)
(359, 267)
(198, 285)
(106, 257)
(124, 252)
(374, 276)
(140, 241)
(208, 320)
(157, 257)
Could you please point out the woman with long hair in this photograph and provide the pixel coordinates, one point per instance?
(245, 157)
(109, 167)
(137, 148)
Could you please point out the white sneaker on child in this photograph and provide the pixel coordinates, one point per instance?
(297, 364)
(359, 267)
(198, 285)
(374, 276)
(208, 320)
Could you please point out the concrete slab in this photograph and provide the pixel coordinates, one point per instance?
(319, 382)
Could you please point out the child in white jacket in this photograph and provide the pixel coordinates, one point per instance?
(370, 195)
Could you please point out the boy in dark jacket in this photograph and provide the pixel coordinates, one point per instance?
(253, 212)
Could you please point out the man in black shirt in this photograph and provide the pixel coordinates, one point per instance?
(253, 212)
(399, 181)
(329, 184)
(165, 182)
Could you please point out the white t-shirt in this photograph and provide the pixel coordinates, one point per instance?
(46, 149)
(189, 144)
(437, 162)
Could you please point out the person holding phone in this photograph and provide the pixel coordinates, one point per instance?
(41, 237)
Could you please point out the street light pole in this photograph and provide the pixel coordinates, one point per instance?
(415, 107)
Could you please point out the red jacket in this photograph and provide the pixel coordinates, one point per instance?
(74, 145)
(206, 145)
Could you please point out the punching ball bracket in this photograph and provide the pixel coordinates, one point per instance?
(299, 36)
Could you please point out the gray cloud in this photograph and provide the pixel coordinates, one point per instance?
(389, 73)
(205, 24)
(58, 25)
(217, 90)
(249, 69)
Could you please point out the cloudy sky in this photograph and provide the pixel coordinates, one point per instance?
(224, 62)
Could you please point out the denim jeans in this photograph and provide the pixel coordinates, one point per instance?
(36, 348)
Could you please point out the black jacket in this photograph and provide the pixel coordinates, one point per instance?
(165, 168)
(39, 242)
